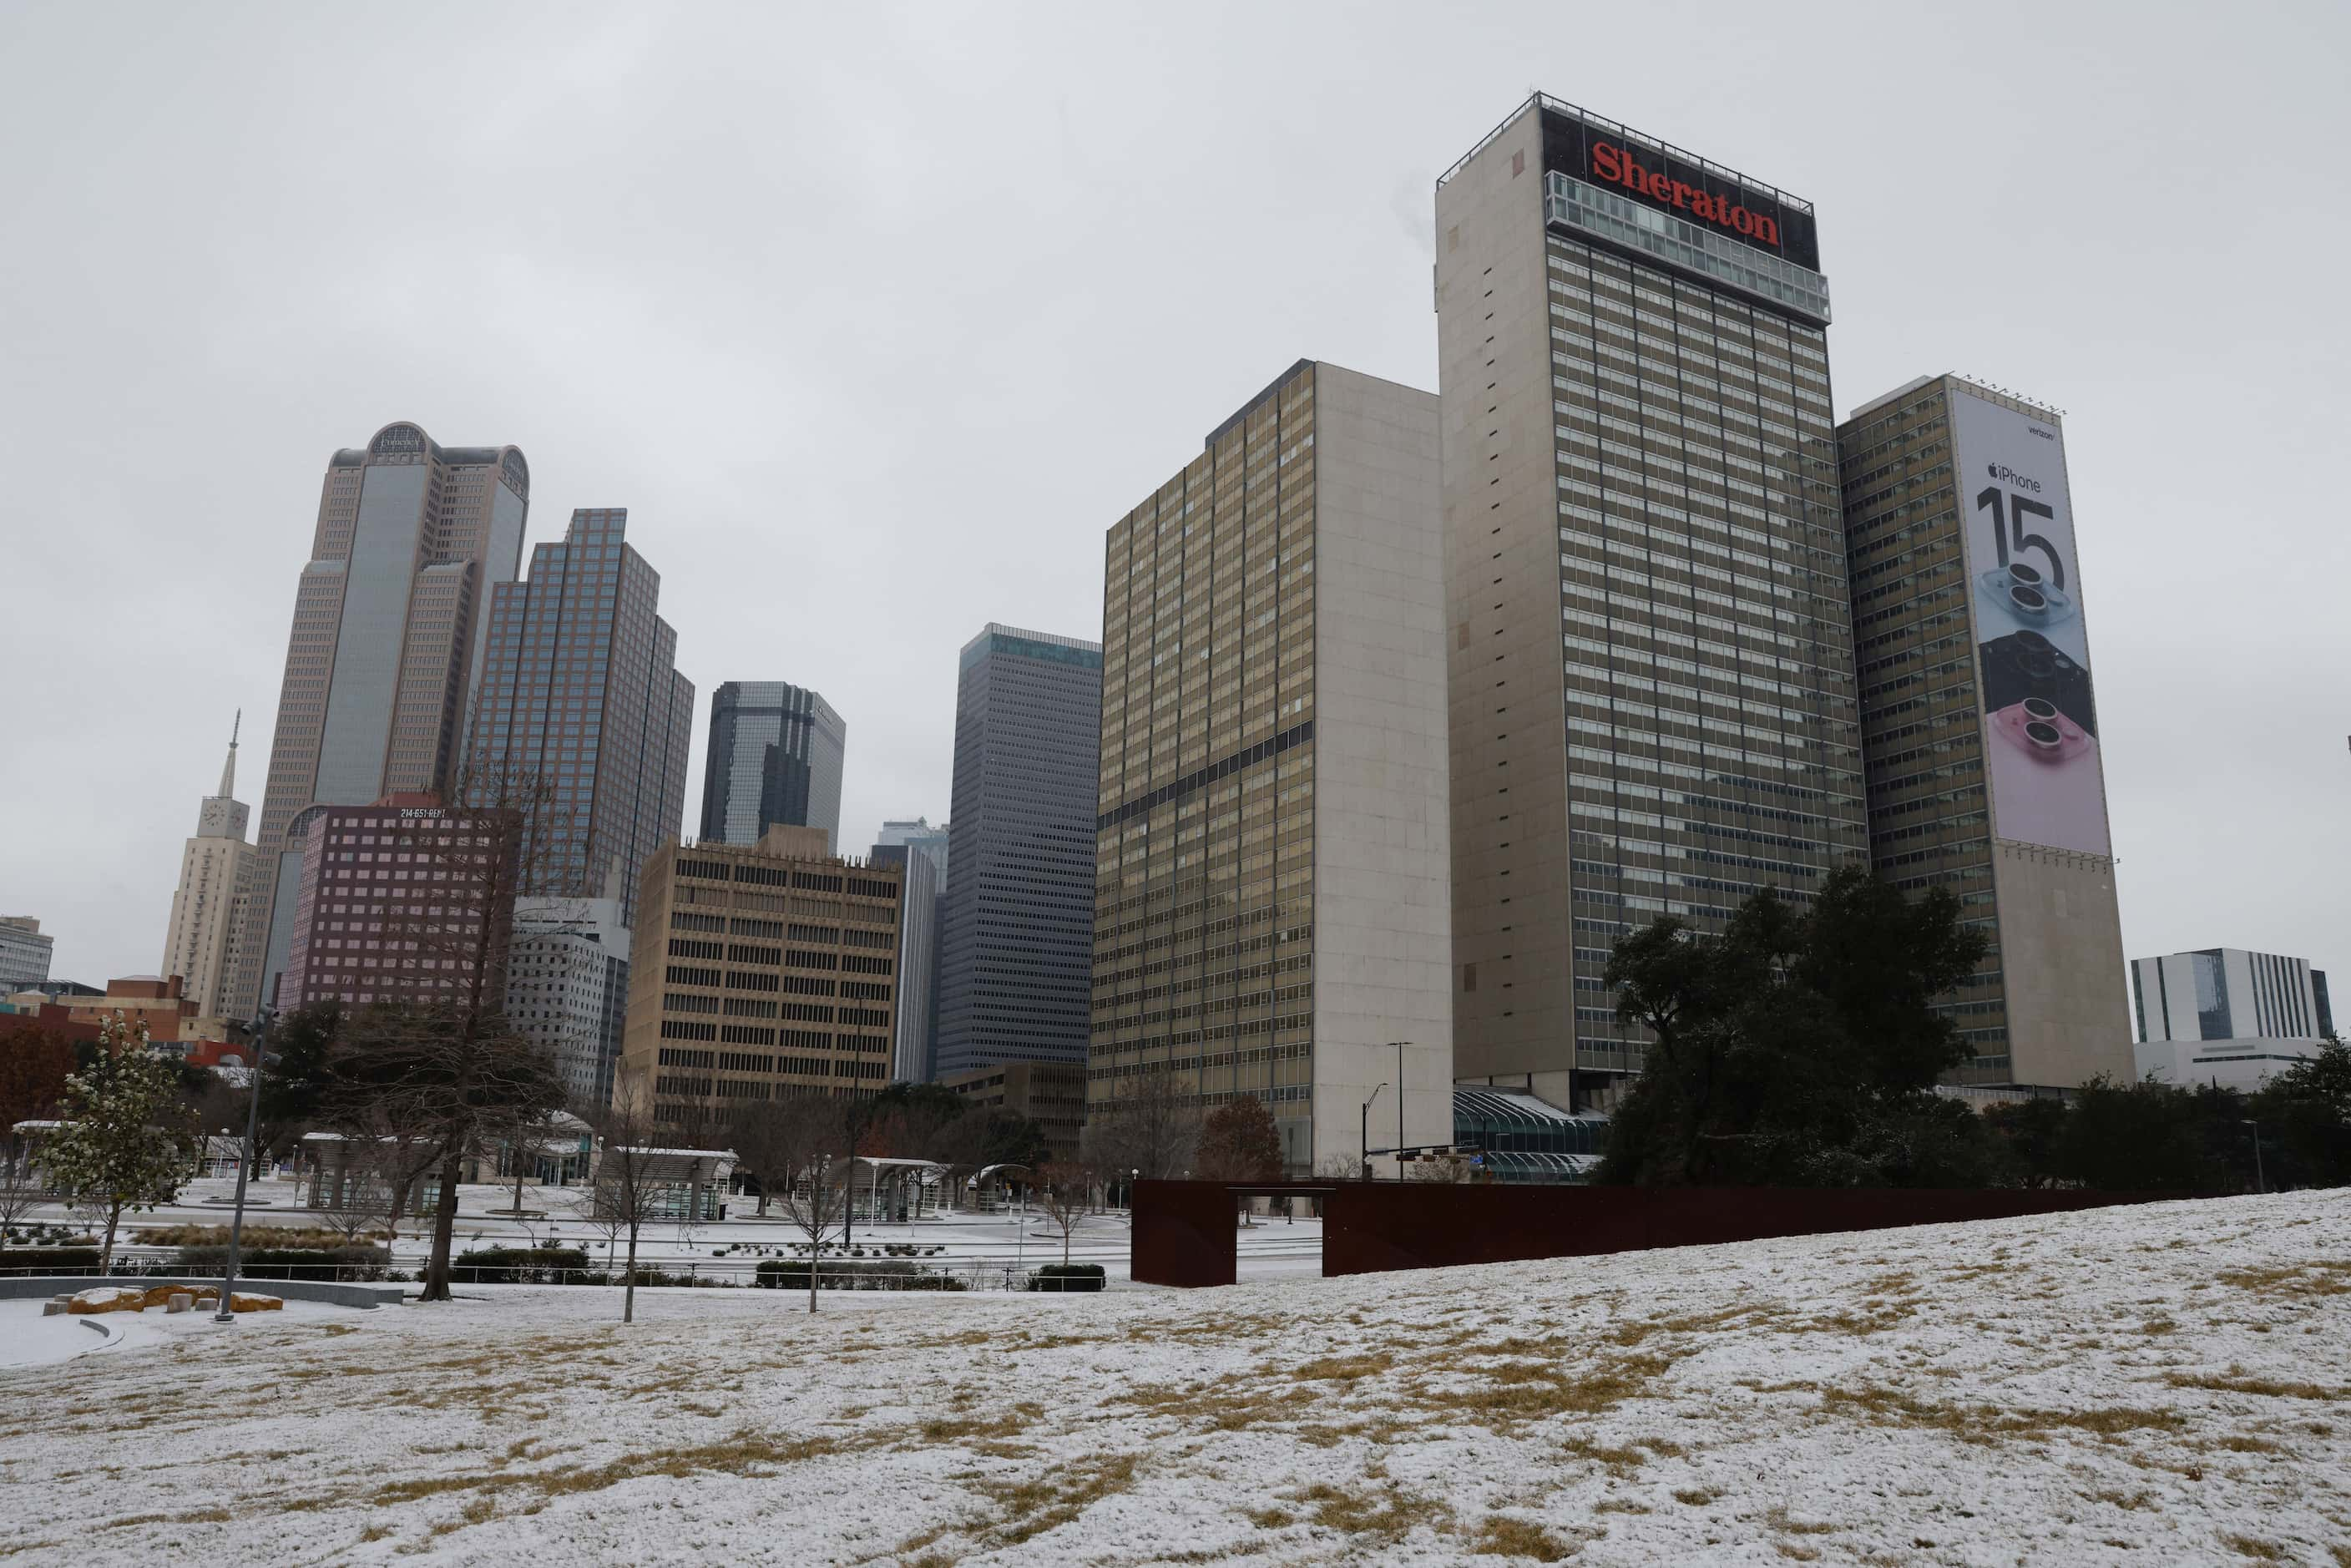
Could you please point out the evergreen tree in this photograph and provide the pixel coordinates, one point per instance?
(2306, 1109)
(1799, 1047)
(127, 1140)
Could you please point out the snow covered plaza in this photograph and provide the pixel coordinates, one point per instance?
(2167, 1383)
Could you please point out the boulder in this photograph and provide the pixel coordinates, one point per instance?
(239, 1302)
(178, 1302)
(106, 1299)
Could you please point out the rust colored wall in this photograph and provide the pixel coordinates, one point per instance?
(1183, 1230)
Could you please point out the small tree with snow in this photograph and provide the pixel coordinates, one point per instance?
(1061, 1191)
(127, 1140)
(628, 1184)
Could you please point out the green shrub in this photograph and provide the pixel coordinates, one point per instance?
(875, 1274)
(51, 1260)
(521, 1266)
(1067, 1276)
(294, 1262)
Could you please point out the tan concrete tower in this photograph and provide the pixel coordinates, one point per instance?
(388, 620)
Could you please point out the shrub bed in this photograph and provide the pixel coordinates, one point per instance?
(1067, 1276)
(293, 1262)
(522, 1266)
(51, 1260)
(873, 1274)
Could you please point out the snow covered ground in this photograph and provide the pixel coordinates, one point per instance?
(2140, 1385)
(28, 1339)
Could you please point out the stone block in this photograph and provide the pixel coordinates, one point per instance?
(106, 1299)
(53, 1309)
(178, 1302)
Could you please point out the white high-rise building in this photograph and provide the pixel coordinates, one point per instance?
(2225, 1016)
(218, 874)
(24, 952)
(568, 987)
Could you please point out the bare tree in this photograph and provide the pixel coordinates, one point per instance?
(359, 1202)
(1152, 1126)
(445, 1061)
(796, 1148)
(1061, 1192)
(628, 1182)
(18, 1196)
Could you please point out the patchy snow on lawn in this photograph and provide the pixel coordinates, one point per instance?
(2158, 1384)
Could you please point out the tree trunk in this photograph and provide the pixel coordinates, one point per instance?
(444, 1228)
(113, 1219)
(812, 1267)
(517, 1204)
(629, 1292)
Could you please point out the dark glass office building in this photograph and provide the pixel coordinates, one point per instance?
(580, 696)
(1015, 925)
(775, 757)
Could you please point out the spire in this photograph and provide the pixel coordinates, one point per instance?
(228, 770)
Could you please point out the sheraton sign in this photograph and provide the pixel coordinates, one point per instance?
(1657, 175)
(1616, 165)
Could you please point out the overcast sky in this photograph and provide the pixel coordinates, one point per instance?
(875, 318)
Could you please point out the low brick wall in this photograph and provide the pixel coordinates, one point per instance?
(41, 1287)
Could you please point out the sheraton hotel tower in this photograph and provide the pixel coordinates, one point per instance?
(1653, 699)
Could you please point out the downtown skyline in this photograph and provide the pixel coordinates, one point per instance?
(2151, 424)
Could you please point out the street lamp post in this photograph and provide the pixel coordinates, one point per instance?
(244, 1166)
(2260, 1185)
(1399, 1045)
(1365, 1154)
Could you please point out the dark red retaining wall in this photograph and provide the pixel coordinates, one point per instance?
(1183, 1230)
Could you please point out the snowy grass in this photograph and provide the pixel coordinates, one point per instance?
(2159, 1384)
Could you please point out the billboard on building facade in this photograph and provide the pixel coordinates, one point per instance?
(2042, 761)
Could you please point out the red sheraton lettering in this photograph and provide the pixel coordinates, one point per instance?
(1617, 167)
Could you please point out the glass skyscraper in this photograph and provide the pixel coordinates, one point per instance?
(386, 655)
(1015, 925)
(774, 758)
(581, 696)
(1653, 699)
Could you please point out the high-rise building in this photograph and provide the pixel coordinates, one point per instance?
(2225, 1016)
(1271, 893)
(759, 972)
(1053, 1094)
(920, 837)
(386, 646)
(1652, 679)
(392, 901)
(24, 953)
(581, 698)
(1985, 776)
(774, 758)
(567, 986)
(922, 849)
(218, 873)
(1016, 927)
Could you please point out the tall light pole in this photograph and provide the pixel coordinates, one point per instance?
(244, 1164)
(1399, 1045)
(2260, 1185)
(1365, 1158)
